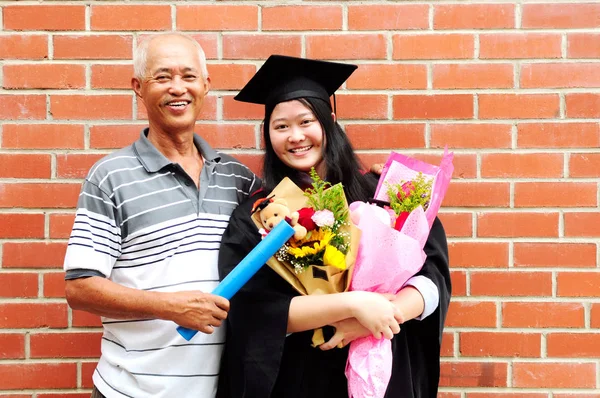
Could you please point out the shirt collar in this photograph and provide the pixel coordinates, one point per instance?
(153, 160)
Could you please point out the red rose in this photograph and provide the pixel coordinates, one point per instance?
(401, 220)
(305, 218)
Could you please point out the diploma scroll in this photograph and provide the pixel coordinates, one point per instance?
(249, 266)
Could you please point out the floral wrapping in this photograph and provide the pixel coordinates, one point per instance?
(369, 364)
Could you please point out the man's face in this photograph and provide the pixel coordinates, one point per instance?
(173, 88)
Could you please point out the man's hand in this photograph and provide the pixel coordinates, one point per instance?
(346, 330)
(199, 311)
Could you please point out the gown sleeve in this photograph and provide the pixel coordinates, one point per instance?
(257, 320)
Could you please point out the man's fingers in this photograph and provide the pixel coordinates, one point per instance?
(332, 343)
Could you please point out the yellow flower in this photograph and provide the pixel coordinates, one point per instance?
(334, 257)
(311, 245)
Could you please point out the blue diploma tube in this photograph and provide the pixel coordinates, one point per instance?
(248, 267)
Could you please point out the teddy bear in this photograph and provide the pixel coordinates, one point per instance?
(271, 211)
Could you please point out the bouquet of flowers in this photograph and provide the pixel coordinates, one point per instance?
(391, 251)
(322, 261)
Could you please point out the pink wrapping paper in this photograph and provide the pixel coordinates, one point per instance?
(385, 261)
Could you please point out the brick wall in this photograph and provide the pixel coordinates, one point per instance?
(512, 88)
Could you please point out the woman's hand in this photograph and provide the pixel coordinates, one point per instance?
(376, 313)
(346, 331)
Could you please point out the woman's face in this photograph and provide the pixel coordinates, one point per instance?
(297, 136)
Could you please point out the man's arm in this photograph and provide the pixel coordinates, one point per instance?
(191, 309)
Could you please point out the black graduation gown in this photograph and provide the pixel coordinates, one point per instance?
(259, 361)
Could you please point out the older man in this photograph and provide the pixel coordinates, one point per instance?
(144, 245)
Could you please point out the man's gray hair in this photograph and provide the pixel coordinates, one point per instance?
(140, 56)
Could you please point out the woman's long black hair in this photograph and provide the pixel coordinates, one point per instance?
(341, 163)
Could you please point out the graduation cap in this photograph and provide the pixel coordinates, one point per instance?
(283, 78)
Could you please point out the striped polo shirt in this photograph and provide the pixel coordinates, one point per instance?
(142, 223)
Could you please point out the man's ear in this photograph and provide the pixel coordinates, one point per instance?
(136, 85)
(207, 85)
(333, 117)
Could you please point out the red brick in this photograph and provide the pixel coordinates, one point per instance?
(595, 316)
(65, 345)
(545, 194)
(578, 284)
(33, 255)
(85, 319)
(583, 45)
(361, 106)
(447, 348)
(586, 105)
(577, 395)
(38, 195)
(114, 136)
(463, 135)
(302, 18)
(477, 194)
(565, 15)
(61, 225)
(20, 106)
(522, 165)
(573, 345)
(449, 76)
(92, 47)
(519, 106)
(584, 165)
(87, 107)
(518, 394)
(517, 224)
(12, 345)
(471, 314)
(57, 76)
(217, 17)
(457, 224)
(504, 344)
(111, 76)
(558, 135)
(582, 224)
(23, 47)
(567, 75)
(542, 315)
(19, 225)
(520, 45)
(42, 136)
(385, 136)
(209, 109)
(511, 284)
(75, 165)
(17, 315)
(227, 136)
(18, 376)
(130, 17)
(64, 395)
(235, 110)
(554, 375)
(459, 283)
(465, 165)
(14, 165)
(389, 77)
(49, 17)
(473, 374)
(439, 106)
(87, 370)
(19, 284)
(347, 46)
(388, 17)
(478, 254)
(473, 16)
(230, 76)
(54, 284)
(433, 46)
(555, 255)
(260, 46)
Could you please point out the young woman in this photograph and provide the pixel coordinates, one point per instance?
(269, 327)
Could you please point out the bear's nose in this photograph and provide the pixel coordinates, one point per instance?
(270, 225)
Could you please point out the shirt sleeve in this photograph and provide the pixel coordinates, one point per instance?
(429, 291)
(95, 241)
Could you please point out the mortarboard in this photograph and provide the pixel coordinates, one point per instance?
(283, 78)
